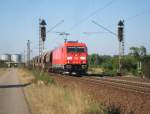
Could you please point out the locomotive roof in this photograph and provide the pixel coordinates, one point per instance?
(74, 44)
(69, 44)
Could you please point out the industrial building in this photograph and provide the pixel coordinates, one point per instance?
(12, 60)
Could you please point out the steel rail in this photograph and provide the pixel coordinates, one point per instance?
(135, 87)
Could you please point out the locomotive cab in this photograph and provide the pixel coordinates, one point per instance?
(76, 60)
(70, 57)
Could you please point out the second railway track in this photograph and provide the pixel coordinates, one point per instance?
(137, 87)
(131, 86)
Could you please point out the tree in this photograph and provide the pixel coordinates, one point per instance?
(97, 60)
(129, 64)
(138, 53)
(146, 66)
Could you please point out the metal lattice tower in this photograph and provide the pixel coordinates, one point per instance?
(40, 45)
(40, 39)
(121, 43)
(42, 35)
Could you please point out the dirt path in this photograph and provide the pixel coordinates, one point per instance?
(12, 99)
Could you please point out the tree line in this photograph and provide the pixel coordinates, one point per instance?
(136, 62)
(3, 64)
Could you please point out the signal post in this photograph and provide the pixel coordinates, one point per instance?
(42, 35)
(121, 45)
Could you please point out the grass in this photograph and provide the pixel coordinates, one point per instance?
(95, 70)
(42, 76)
(45, 96)
(58, 100)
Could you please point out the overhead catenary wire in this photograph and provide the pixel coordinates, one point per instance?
(99, 32)
(138, 15)
(106, 29)
(55, 26)
(127, 20)
(92, 14)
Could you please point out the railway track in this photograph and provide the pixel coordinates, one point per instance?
(138, 87)
(134, 83)
(132, 86)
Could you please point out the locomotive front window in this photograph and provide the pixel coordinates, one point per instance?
(76, 49)
(80, 49)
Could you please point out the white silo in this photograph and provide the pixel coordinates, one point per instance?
(5, 57)
(16, 58)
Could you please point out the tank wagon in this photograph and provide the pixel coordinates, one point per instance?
(69, 57)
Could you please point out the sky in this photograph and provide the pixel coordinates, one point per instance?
(19, 22)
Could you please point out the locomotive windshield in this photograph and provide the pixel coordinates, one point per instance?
(75, 49)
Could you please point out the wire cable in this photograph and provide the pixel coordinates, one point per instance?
(106, 29)
(138, 14)
(92, 14)
(55, 26)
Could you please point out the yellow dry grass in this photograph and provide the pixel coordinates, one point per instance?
(96, 70)
(54, 99)
(25, 76)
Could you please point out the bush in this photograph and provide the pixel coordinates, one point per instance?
(129, 65)
(110, 65)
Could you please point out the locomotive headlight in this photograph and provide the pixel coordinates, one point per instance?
(69, 58)
(82, 58)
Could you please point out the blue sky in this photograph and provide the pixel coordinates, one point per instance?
(19, 23)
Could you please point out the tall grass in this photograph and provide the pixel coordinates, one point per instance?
(52, 98)
(59, 100)
(42, 76)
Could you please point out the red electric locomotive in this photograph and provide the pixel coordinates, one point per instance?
(70, 57)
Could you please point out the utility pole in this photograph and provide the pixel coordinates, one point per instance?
(28, 52)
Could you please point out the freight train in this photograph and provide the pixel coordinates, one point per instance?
(71, 57)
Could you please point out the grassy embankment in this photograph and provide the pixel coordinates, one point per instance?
(45, 96)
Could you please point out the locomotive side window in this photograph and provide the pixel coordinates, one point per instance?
(76, 49)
